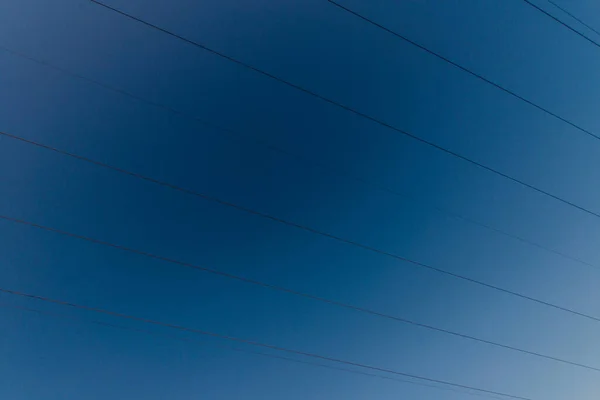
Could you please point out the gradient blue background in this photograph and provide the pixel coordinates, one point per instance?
(315, 44)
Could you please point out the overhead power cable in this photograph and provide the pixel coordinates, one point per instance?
(263, 345)
(351, 110)
(569, 27)
(573, 16)
(298, 293)
(464, 69)
(309, 162)
(292, 224)
(244, 350)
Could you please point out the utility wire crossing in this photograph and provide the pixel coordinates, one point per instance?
(569, 27)
(297, 293)
(263, 345)
(574, 17)
(351, 110)
(464, 69)
(297, 352)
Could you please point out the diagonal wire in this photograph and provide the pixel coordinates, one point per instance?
(310, 162)
(464, 69)
(263, 345)
(569, 27)
(288, 223)
(573, 16)
(304, 294)
(241, 350)
(351, 110)
(165, 184)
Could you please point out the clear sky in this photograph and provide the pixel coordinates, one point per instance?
(312, 43)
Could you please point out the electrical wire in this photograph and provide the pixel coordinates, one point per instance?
(300, 294)
(310, 229)
(172, 186)
(263, 345)
(310, 162)
(574, 17)
(464, 69)
(241, 350)
(292, 224)
(351, 110)
(569, 27)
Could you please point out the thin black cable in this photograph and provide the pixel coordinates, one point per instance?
(259, 344)
(349, 109)
(311, 162)
(263, 215)
(301, 294)
(238, 349)
(557, 20)
(465, 69)
(573, 16)
(288, 223)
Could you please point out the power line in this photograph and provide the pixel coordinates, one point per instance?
(303, 294)
(263, 345)
(546, 13)
(351, 110)
(339, 171)
(310, 229)
(241, 350)
(313, 231)
(171, 186)
(464, 69)
(573, 16)
(288, 223)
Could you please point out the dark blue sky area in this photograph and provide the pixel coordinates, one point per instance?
(314, 44)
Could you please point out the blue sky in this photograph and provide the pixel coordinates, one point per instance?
(317, 45)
